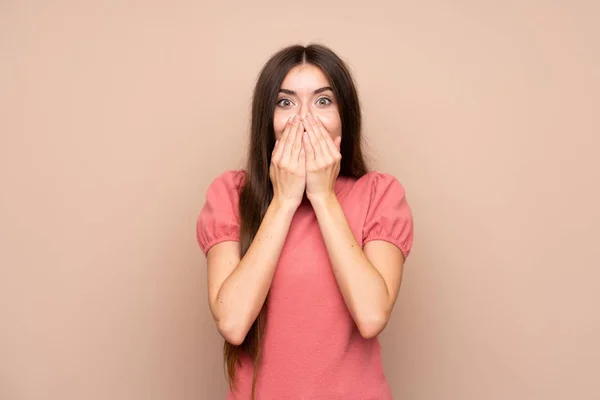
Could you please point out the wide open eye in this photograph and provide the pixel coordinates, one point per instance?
(284, 103)
(324, 101)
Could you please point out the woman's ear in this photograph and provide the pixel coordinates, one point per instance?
(338, 142)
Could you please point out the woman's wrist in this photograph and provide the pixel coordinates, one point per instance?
(323, 201)
(285, 206)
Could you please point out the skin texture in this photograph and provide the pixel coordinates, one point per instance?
(305, 161)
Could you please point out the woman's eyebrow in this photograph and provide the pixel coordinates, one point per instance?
(292, 93)
(323, 89)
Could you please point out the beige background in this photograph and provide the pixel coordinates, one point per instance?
(115, 117)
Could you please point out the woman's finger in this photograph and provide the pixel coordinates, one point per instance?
(309, 150)
(313, 138)
(297, 144)
(278, 148)
(321, 139)
(284, 137)
(291, 138)
(326, 137)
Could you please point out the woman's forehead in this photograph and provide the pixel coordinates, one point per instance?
(305, 77)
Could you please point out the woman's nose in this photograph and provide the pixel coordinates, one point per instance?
(305, 109)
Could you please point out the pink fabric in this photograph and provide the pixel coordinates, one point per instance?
(312, 348)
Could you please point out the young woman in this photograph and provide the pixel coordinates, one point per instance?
(305, 247)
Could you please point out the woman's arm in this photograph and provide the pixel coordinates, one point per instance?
(237, 289)
(369, 280)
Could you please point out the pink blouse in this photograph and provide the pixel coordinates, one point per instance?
(312, 348)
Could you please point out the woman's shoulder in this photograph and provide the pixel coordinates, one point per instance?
(371, 187)
(376, 179)
(230, 179)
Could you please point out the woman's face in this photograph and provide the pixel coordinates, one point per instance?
(306, 90)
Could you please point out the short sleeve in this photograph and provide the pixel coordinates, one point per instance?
(389, 216)
(219, 218)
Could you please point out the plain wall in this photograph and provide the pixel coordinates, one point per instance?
(116, 116)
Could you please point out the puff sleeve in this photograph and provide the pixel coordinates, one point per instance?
(389, 216)
(219, 218)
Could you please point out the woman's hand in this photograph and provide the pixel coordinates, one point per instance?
(288, 165)
(322, 159)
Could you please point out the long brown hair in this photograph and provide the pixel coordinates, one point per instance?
(257, 192)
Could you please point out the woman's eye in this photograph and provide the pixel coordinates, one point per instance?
(284, 103)
(324, 101)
